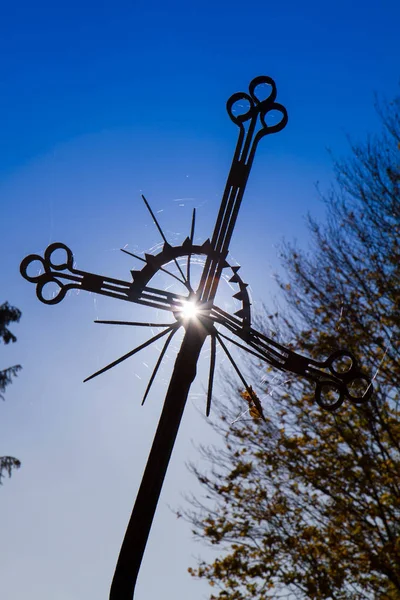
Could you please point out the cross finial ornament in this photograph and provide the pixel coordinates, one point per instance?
(336, 378)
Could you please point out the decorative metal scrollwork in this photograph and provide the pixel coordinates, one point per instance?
(336, 378)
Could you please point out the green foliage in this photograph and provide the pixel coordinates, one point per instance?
(7, 464)
(8, 314)
(6, 377)
(307, 505)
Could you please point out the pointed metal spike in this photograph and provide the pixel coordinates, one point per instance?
(131, 353)
(193, 225)
(240, 295)
(162, 235)
(236, 268)
(150, 258)
(135, 273)
(211, 374)
(155, 370)
(154, 218)
(132, 254)
(206, 246)
(187, 244)
(134, 323)
(234, 279)
(246, 385)
(168, 250)
(240, 313)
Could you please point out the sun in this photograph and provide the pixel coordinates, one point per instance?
(189, 310)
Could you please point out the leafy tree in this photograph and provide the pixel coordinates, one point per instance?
(307, 505)
(8, 314)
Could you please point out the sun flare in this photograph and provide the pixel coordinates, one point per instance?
(189, 309)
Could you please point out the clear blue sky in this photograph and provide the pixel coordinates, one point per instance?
(98, 102)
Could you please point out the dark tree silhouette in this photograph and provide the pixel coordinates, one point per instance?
(307, 505)
(8, 314)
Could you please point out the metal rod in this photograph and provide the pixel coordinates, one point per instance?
(137, 533)
(132, 352)
(249, 390)
(191, 240)
(134, 323)
(162, 234)
(158, 363)
(211, 375)
(161, 268)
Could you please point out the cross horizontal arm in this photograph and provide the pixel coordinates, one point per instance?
(60, 277)
(346, 380)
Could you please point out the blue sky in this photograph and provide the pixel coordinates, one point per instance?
(100, 102)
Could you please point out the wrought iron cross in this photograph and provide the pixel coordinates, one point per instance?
(336, 378)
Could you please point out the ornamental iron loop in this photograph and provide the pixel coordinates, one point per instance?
(336, 378)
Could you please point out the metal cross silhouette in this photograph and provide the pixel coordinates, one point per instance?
(336, 378)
